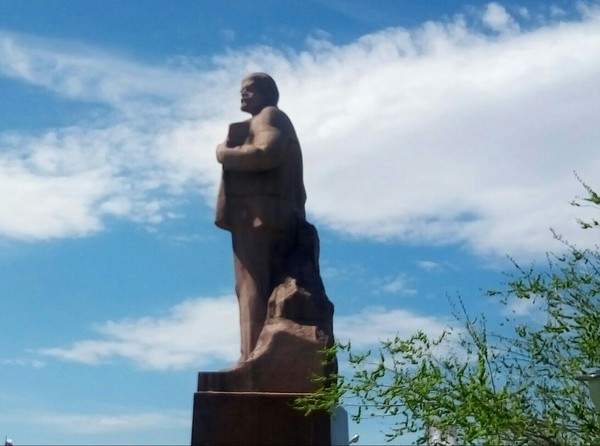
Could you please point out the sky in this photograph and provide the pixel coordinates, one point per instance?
(440, 138)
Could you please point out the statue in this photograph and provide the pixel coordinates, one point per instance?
(261, 199)
(286, 319)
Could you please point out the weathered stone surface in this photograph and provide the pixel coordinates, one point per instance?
(287, 356)
(299, 325)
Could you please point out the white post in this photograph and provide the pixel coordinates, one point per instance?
(339, 427)
(593, 382)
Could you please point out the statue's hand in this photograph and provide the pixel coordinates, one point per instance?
(221, 148)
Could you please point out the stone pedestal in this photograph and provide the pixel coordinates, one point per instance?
(258, 418)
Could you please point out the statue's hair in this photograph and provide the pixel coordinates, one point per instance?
(266, 86)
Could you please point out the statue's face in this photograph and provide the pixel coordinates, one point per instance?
(253, 100)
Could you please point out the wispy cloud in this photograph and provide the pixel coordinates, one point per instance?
(72, 427)
(532, 309)
(86, 73)
(345, 273)
(192, 334)
(375, 324)
(135, 161)
(24, 362)
(456, 136)
(98, 423)
(428, 265)
(400, 284)
(105, 426)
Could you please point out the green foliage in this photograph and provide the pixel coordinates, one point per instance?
(515, 385)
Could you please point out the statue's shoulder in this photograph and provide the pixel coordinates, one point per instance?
(271, 112)
(273, 116)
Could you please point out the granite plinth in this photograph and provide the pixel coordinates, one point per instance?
(255, 418)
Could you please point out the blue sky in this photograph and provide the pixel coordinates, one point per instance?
(438, 137)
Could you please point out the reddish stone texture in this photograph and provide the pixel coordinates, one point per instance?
(276, 251)
(286, 318)
(234, 418)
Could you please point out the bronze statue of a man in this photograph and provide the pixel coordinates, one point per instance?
(261, 199)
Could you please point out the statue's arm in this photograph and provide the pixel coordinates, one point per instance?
(266, 149)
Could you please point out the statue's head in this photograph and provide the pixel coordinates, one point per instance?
(258, 91)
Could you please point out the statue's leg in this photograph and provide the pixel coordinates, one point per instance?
(253, 275)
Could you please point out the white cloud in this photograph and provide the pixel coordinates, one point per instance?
(98, 423)
(439, 134)
(192, 334)
(67, 181)
(557, 11)
(529, 309)
(39, 207)
(154, 143)
(343, 273)
(87, 73)
(496, 18)
(114, 425)
(428, 265)
(400, 284)
(375, 324)
(455, 137)
(24, 362)
(523, 12)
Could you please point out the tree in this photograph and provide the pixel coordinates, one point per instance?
(511, 385)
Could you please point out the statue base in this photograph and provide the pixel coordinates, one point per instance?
(262, 418)
(251, 403)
